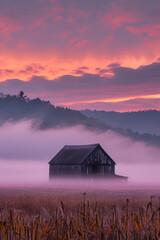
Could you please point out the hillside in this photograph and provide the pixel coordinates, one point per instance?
(141, 121)
(44, 115)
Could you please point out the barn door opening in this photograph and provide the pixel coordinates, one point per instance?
(94, 168)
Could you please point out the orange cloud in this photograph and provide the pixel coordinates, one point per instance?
(57, 66)
(65, 36)
(135, 104)
(111, 100)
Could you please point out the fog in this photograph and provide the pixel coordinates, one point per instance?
(25, 153)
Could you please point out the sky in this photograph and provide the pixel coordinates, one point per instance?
(92, 54)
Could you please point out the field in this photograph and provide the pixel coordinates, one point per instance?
(88, 212)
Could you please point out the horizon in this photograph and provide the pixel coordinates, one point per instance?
(85, 109)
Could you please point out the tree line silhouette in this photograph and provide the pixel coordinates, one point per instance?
(146, 121)
(44, 115)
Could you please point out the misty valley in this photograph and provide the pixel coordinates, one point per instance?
(33, 131)
(33, 206)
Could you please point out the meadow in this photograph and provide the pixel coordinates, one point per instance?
(88, 212)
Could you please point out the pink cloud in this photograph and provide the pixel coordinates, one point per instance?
(58, 18)
(63, 35)
(68, 34)
(119, 15)
(72, 41)
(151, 30)
(84, 29)
(83, 43)
(7, 26)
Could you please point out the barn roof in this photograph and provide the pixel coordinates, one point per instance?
(73, 154)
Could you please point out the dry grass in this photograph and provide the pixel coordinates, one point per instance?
(46, 214)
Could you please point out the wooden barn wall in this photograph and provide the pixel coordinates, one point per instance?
(98, 157)
(100, 170)
(113, 168)
(98, 163)
(104, 164)
(64, 170)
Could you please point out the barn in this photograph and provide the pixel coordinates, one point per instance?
(83, 161)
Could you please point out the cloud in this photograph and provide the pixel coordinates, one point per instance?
(6, 72)
(121, 106)
(90, 40)
(102, 71)
(70, 34)
(142, 75)
(8, 27)
(32, 69)
(113, 65)
(83, 43)
(79, 72)
(151, 31)
(2, 94)
(123, 83)
(83, 68)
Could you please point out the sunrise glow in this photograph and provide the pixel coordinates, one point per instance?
(54, 40)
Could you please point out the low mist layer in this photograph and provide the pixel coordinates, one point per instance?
(33, 173)
(25, 153)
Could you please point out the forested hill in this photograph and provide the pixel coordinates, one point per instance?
(141, 121)
(43, 114)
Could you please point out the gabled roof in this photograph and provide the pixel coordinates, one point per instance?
(73, 154)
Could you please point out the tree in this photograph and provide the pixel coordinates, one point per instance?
(22, 96)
